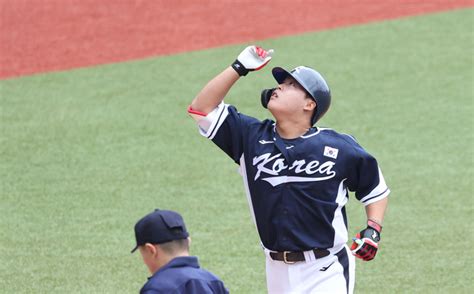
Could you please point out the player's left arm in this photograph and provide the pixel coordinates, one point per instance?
(376, 210)
(367, 180)
(365, 244)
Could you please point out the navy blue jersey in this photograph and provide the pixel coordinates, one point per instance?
(183, 275)
(296, 188)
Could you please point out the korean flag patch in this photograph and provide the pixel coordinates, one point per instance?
(330, 152)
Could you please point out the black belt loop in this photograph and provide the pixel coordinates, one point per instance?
(290, 257)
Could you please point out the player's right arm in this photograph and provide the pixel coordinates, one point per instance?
(250, 59)
(214, 92)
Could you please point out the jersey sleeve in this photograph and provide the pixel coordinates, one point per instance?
(225, 126)
(366, 178)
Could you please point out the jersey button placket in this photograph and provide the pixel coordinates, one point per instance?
(284, 214)
(283, 211)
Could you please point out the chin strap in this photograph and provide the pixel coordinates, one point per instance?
(265, 96)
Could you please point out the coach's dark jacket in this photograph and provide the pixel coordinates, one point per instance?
(183, 275)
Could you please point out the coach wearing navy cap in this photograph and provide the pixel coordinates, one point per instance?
(163, 242)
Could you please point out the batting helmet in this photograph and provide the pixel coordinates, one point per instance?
(312, 82)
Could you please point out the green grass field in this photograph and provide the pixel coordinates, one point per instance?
(86, 153)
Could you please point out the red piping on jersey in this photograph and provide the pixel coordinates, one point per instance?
(191, 110)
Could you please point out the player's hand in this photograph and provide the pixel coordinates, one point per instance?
(251, 58)
(365, 243)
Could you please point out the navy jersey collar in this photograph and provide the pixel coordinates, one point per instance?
(182, 261)
(311, 131)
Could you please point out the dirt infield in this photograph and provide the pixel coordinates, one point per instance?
(50, 35)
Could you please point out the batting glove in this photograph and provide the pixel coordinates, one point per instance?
(252, 58)
(365, 243)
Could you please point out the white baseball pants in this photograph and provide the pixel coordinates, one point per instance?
(332, 274)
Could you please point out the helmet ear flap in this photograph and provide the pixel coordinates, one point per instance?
(265, 96)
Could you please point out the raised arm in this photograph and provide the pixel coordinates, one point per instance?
(250, 59)
(214, 92)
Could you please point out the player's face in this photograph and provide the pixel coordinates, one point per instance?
(289, 98)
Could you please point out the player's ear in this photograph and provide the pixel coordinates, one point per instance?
(310, 104)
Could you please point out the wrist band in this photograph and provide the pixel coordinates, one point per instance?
(374, 225)
(239, 68)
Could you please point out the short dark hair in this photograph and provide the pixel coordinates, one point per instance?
(175, 246)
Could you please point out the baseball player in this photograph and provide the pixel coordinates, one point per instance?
(297, 176)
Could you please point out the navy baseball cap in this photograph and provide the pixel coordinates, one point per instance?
(160, 226)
